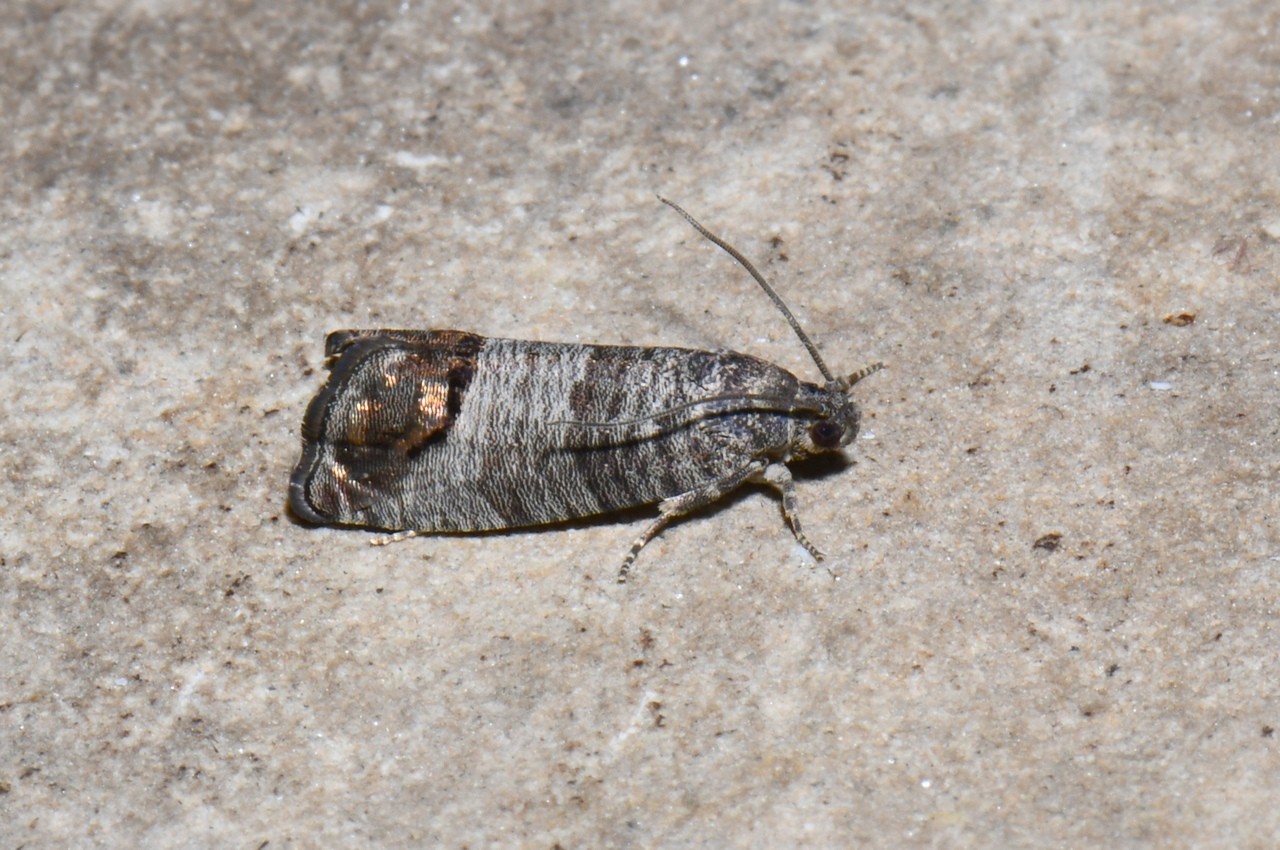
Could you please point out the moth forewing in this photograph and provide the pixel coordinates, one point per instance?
(447, 431)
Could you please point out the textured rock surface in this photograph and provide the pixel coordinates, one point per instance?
(1049, 610)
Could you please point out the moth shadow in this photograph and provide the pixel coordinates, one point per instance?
(817, 467)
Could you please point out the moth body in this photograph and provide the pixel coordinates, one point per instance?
(448, 431)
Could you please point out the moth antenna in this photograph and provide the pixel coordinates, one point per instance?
(764, 284)
(864, 372)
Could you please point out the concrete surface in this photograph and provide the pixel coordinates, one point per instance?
(1048, 616)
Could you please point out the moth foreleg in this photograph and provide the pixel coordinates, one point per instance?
(777, 476)
(691, 500)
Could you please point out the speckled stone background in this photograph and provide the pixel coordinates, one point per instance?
(1049, 613)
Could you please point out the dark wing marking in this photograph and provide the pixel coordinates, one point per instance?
(389, 394)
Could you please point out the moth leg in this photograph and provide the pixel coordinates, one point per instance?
(777, 476)
(678, 506)
(388, 539)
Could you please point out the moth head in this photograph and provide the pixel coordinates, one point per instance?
(836, 422)
(828, 429)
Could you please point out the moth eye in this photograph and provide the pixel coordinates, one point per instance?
(826, 434)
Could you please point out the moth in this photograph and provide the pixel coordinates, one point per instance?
(449, 431)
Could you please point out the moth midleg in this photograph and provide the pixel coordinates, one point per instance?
(777, 476)
(691, 500)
